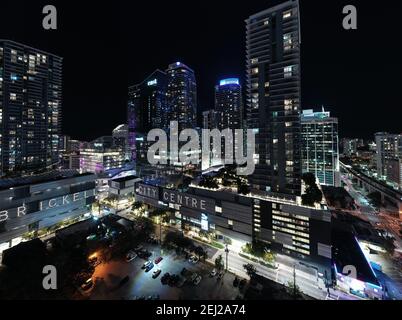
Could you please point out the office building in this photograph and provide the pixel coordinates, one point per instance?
(182, 95)
(147, 108)
(30, 108)
(273, 97)
(297, 231)
(100, 160)
(389, 148)
(320, 154)
(209, 119)
(30, 205)
(229, 104)
(120, 139)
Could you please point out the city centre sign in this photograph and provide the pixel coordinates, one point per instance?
(188, 200)
(40, 206)
(147, 191)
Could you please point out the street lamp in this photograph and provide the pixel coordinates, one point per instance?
(227, 254)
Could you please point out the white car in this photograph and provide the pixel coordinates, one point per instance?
(193, 259)
(197, 280)
(213, 272)
(130, 256)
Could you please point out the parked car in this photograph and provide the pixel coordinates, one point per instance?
(165, 278)
(138, 248)
(193, 276)
(146, 264)
(181, 282)
(156, 273)
(149, 267)
(87, 285)
(124, 281)
(173, 280)
(197, 280)
(213, 273)
(157, 260)
(193, 259)
(130, 256)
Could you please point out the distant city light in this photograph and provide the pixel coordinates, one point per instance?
(225, 82)
(152, 82)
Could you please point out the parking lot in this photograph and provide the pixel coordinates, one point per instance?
(140, 285)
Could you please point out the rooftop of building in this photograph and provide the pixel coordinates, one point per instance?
(7, 183)
(346, 251)
(126, 178)
(29, 47)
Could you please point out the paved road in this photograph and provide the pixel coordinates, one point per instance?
(305, 279)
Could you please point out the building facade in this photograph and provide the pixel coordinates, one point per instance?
(100, 160)
(182, 95)
(287, 228)
(229, 104)
(30, 108)
(147, 108)
(28, 205)
(120, 139)
(273, 97)
(389, 148)
(320, 154)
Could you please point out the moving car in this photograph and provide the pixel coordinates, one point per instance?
(157, 260)
(156, 273)
(130, 256)
(213, 273)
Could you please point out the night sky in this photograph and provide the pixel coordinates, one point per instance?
(108, 45)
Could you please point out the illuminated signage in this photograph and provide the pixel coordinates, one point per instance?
(147, 191)
(188, 200)
(225, 82)
(152, 82)
(36, 207)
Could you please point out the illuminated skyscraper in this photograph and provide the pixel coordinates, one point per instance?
(320, 154)
(30, 108)
(182, 95)
(146, 108)
(229, 104)
(273, 97)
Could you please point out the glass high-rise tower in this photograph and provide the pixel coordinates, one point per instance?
(182, 95)
(146, 108)
(30, 108)
(229, 104)
(273, 97)
(320, 151)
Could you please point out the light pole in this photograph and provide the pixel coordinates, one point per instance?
(227, 255)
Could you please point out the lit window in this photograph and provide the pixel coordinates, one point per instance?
(230, 222)
(287, 14)
(288, 71)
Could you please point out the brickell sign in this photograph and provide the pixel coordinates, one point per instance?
(44, 205)
(188, 200)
